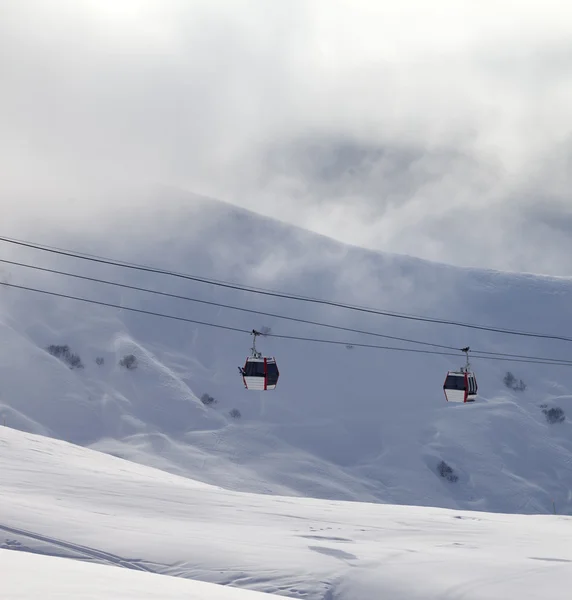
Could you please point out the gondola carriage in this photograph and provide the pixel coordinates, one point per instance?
(259, 373)
(461, 385)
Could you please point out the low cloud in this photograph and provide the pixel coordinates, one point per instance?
(441, 130)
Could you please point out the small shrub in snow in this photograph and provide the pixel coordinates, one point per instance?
(207, 400)
(511, 382)
(99, 360)
(129, 361)
(235, 413)
(509, 379)
(64, 353)
(553, 415)
(447, 472)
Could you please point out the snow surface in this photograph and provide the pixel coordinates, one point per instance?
(65, 500)
(63, 579)
(362, 425)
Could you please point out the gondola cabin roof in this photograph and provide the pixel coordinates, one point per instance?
(260, 359)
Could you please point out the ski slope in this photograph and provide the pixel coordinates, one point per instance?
(62, 500)
(63, 579)
(355, 424)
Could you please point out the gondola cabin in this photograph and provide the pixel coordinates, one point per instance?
(460, 386)
(260, 373)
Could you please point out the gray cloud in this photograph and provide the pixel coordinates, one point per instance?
(435, 129)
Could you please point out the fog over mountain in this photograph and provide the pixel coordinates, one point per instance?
(440, 130)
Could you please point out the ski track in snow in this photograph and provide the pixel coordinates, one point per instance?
(82, 551)
(63, 579)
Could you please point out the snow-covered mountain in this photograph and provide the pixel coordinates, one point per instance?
(344, 424)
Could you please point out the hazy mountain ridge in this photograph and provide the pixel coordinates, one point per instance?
(361, 424)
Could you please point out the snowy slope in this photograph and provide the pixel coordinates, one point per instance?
(65, 579)
(361, 424)
(60, 499)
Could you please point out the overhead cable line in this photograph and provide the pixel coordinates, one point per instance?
(284, 295)
(275, 335)
(220, 305)
(267, 314)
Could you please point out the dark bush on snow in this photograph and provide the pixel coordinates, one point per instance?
(129, 362)
(447, 472)
(207, 400)
(99, 360)
(511, 382)
(553, 415)
(64, 353)
(235, 413)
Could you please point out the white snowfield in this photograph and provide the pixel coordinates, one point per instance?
(30, 576)
(64, 500)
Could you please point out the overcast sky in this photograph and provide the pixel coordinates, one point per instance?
(438, 129)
